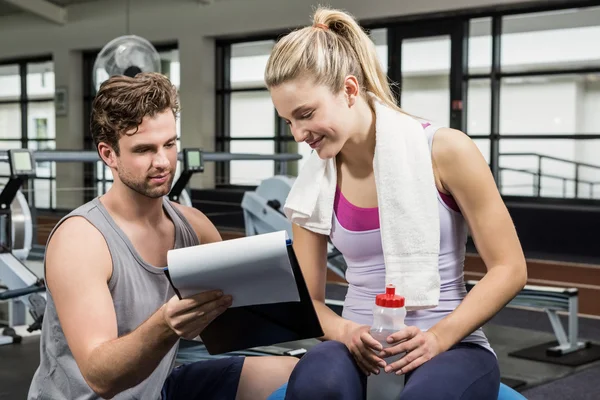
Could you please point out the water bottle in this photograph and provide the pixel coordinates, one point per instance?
(388, 317)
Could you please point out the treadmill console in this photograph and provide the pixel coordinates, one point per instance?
(192, 160)
(21, 163)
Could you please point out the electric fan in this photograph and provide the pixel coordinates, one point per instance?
(126, 55)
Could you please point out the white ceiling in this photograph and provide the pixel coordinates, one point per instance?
(561, 19)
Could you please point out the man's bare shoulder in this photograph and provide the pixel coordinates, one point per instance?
(203, 226)
(76, 243)
(75, 229)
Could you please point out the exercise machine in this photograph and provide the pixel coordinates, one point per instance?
(193, 162)
(23, 289)
(263, 208)
(552, 300)
(263, 213)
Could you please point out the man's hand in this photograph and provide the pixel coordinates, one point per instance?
(189, 317)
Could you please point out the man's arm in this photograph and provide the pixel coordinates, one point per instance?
(204, 228)
(78, 268)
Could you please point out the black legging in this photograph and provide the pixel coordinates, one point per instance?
(328, 371)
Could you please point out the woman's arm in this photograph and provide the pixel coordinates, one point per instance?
(464, 173)
(311, 252)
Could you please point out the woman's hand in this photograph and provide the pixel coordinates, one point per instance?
(419, 347)
(364, 348)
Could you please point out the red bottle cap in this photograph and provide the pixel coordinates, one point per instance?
(389, 299)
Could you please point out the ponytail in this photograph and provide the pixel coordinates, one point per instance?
(334, 47)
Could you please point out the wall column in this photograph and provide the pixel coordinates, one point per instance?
(68, 74)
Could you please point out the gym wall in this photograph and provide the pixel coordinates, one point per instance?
(193, 27)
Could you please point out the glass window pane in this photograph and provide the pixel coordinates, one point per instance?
(10, 144)
(426, 78)
(10, 82)
(107, 171)
(252, 115)
(169, 66)
(556, 164)
(379, 37)
(248, 62)
(551, 40)
(480, 46)
(484, 147)
(479, 105)
(588, 104)
(251, 172)
(560, 104)
(4, 169)
(41, 120)
(10, 121)
(41, 144)
(40, 80)
(99, 188)
(47, 168)
(291, 146)
(42, 188)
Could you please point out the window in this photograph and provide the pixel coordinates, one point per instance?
(98, 176)
(551, 41)
(27, 121)
(249, 123)
(528, 88)
(478, 124)
(531, 110)
(252, 125)
(425, 78)
(252, 117)
(549, 94)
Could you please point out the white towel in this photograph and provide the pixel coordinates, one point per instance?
(407, 197)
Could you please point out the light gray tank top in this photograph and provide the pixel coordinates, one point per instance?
(138, 289)
(363, 252)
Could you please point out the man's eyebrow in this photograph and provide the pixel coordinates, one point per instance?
(172, 139)
(150, 145)
(140, 146)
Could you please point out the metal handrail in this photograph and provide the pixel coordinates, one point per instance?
(91, 156)
(539, 173)
(552, 158)
(537, 185)
(530, 172)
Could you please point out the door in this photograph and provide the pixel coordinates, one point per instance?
(427, 61)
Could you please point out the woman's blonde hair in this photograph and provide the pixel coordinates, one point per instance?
(333, 47)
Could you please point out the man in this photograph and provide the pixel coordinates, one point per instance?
(112, 321)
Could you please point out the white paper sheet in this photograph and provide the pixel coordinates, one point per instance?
(253, 270)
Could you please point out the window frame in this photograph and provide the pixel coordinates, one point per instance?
(23, 102)
(394, 25)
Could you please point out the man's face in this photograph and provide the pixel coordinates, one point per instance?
(148, 159)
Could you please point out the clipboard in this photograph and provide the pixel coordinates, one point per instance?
(242, 328)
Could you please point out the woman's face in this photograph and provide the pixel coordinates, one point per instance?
(315, 115)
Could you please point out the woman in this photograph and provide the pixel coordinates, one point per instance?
(326, 82)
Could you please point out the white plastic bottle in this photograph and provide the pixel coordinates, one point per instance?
(388, 317)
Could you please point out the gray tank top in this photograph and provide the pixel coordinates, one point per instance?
(138, 289)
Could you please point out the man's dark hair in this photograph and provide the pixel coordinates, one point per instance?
(122, 103)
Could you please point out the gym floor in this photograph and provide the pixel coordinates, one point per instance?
(511, 329)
